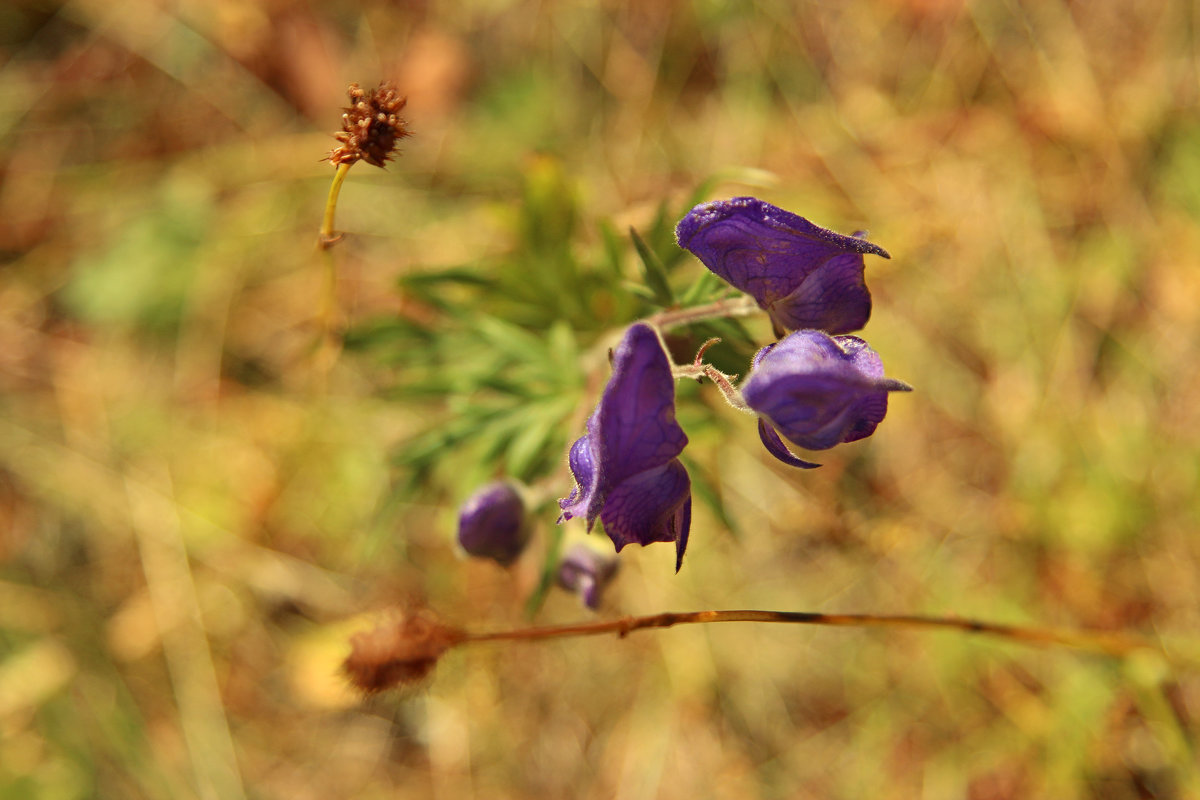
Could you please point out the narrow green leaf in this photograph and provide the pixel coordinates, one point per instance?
(707, 287)
(554, 546)
(455, 275)
(704, 488)
(531, 443)
(638, 290)
(614, 251)
(653, 271)
(511, 340)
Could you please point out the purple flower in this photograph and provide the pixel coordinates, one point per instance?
(491, 523)
(626, 468)
(586, 572)
(802, 275)
(817, 391)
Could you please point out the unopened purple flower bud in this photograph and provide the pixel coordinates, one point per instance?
(586, 572)
(802, 275)
(491, 523)
(817, 391)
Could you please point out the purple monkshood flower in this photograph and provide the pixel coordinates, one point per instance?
(817, 391)
(802, 275)
(491, 523)
(626, 468)
(586, 572)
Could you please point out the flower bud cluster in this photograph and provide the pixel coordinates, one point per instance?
(371, 126)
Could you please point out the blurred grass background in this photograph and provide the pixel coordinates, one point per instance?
(194, 508)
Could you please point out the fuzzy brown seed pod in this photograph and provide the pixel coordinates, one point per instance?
(371, 126)
(398, 653)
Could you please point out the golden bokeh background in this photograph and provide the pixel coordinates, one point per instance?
(197, 500)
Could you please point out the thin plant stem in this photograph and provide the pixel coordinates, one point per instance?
(327, 315)
(733, 307)
(328, 346)
(1113, 644)
(326, 238)
(740, 306)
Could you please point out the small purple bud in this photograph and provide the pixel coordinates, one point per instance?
(491, 523)
(586, 572)
(817, 391)
(802, 275)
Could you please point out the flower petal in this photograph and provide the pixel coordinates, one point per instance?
(633, 428)
(626, 468)
(636, 416)
(833, 298)
(586, 572)
(803, 275)
(683, 526)
(777, 448)
(652, 506)
(583, 468)
(818, 391)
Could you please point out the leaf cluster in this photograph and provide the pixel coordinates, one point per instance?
(499, 354)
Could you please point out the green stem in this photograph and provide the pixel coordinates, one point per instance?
(326, 238)
(741, 306)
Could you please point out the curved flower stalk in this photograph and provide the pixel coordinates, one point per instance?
(817, 391)
(626, 466)
(802, 275)
(491, 523)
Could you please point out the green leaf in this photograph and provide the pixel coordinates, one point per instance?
(546, 580)
(707, 287)
(638, 290)
(531, 444)
(455, 275)
(614, 251)
(431, 287)
(704, 488)
(653, 271)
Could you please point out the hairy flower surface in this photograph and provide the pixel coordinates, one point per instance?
(371, 126)
(802, 275)
(817, 391)
(491, 523)
(626, 468)
(586, 572)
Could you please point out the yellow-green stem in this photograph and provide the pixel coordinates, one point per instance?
(326, 238)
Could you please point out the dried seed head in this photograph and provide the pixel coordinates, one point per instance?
(398, 653)
(371, 126)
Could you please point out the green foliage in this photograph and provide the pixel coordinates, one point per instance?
(143, 278)
(499, 351)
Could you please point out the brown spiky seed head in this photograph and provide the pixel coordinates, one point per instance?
(399, 653)
(371, 126)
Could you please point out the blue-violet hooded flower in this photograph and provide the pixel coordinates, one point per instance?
(817, 391)
(802, 275)
(491, 523)
(626, 467)
(586, 572)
